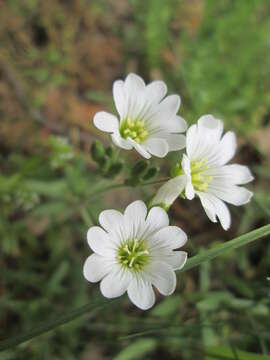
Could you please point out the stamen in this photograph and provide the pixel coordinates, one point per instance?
(135, 129)
(133, 254)
(200, 181)
(131, 262)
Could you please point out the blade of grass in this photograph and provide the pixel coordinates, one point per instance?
(207, 255)
(221, 249)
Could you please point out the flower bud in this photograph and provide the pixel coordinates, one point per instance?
(139, 168)
(109, 151)
(97, 152)
(151, 173)
(115, 169)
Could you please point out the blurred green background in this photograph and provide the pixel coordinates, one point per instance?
(58, 60)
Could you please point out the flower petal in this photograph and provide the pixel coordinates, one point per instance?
(115, 283)
(176, 124)
(134, 89)
(208, 206)
(110, 219)
(232, 194)
(227, 148)
(231, 174)
(141, 150)
(96, 267)
(211, 127)
(119, 97)
(170, 237)
(191, 141)
(134, 84)
(216, 207)
(155, 91)
(176, 259)
(157, 147)
(156, 219)
(175, 141)
(169, 192)
(189, 191)
(141, 294)
(162, 277)
(167, 108)
(135, 215)
(99, 241)
(106, 122)
(119, 141)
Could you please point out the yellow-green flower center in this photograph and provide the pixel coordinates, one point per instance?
(135, 129)
(133, 254)
(200, 180)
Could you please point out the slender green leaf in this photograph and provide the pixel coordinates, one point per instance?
(219, 250)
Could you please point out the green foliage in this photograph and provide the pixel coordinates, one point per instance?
(217, 58)
(229, 353)
(226, 63)
(137, 350)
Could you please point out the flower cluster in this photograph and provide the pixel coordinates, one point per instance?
(136, 250)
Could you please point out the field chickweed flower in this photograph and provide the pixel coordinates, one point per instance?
(147, 120)
(133, 251)
(203, 171)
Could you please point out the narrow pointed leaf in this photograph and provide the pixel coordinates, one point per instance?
(221, 249)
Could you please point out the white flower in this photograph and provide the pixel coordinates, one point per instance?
(203, 171)
(147, 121)
(134, 251)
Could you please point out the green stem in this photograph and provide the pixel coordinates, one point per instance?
(191, 263)
(123, 184)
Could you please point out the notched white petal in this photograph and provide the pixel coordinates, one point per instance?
(99, 241)
(134, 84)
(135, 215)
(155, 91)
(110, 219)
(156, 219)
(171, 237)
(141, 294)
(208, 125)
(106, 122)
(96, 267)
(214, 207)
(234, 174)
(177, 259)
(115, 283)
(227, 148)
(176, 141)
(157, 147)
(162, 277)
(232, 194)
